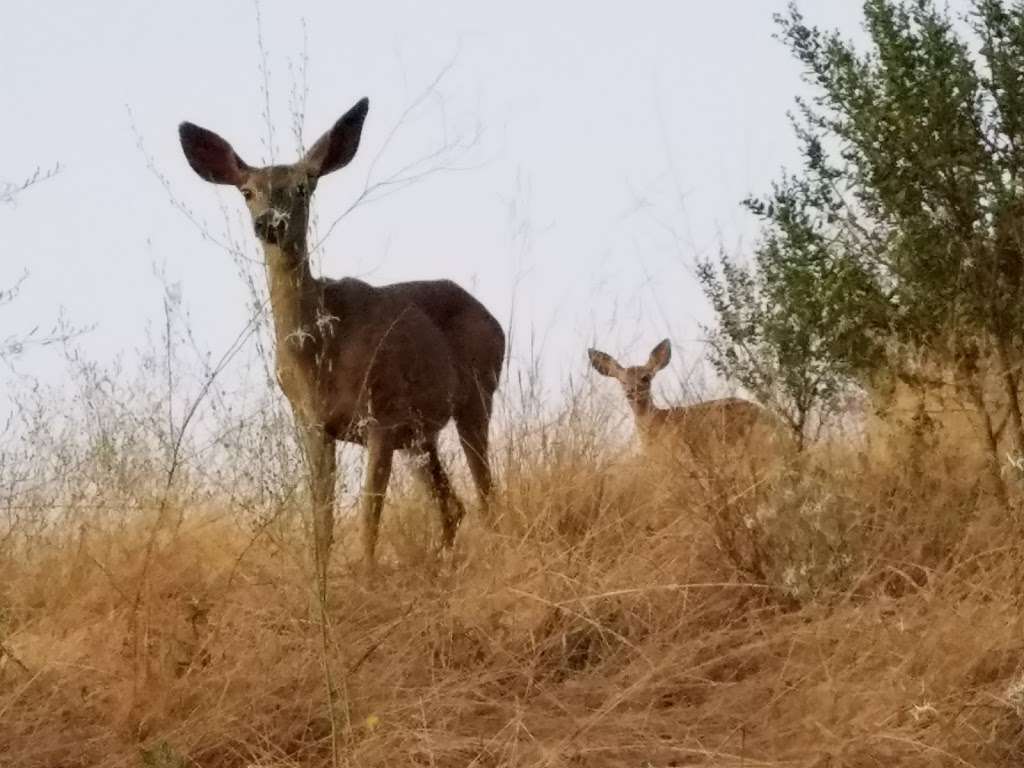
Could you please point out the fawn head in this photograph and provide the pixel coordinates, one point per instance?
(635, 380)
(278, 195)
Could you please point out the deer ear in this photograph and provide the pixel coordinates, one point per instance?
(603, 363)
(211, 156)
(336, 148)
(660, 356)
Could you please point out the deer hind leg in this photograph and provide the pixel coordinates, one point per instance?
(379, 452)
(431, 473)
(321, 457)
(472, 420)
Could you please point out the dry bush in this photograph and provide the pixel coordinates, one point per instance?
(833, 609)
(854, 605)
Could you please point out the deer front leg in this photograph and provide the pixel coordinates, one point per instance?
(379, 452)
(321, 457)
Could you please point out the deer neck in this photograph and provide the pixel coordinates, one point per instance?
(294, 296)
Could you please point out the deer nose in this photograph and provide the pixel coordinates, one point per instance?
(272, 226)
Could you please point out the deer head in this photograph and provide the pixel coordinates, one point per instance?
(635, 380)
(278, 196)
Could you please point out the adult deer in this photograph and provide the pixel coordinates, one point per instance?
(382, 366)
(726, 422)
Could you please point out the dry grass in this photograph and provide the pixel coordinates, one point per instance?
(833, 611)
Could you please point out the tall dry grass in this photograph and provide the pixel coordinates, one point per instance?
(848, 607)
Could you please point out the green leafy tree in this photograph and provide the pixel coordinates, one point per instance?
(912, 192)
(796, 326)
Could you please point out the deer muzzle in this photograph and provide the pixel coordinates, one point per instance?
(272, 226)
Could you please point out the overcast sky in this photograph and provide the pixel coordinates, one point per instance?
(620, 138)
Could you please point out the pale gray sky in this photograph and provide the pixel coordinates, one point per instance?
(623, 135)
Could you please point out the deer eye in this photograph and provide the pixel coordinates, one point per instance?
(301, 190)
(247, 193)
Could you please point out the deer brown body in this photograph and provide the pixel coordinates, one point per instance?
(383, 366)
(728, 422)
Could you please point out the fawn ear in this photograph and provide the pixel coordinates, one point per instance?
(660, 356)
(603, 363)
(211, 156)
(336, 148)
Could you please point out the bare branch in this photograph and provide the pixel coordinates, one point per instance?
(264, 68)
(444, 158)
(13, 345)
(299, 95)
(9, 190)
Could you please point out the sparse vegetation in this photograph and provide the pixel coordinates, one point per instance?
(852, 604)
(844, 609)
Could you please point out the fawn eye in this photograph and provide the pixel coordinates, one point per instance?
(301, 190)
(247, 193)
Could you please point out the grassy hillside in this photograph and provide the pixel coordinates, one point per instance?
(853, 607)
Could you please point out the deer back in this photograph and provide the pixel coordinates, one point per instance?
(372, 357)
(475, 339)
(725, 422)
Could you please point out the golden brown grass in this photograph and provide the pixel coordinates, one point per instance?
(836, 610)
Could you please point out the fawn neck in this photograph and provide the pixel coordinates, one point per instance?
(643, 408)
